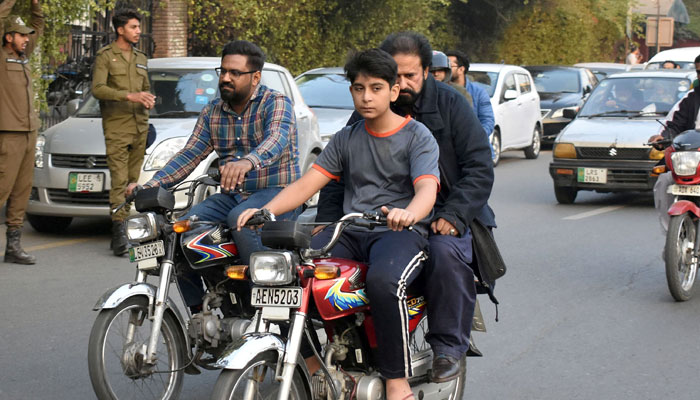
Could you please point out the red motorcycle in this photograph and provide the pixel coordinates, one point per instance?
(294, 284)
(682, 240)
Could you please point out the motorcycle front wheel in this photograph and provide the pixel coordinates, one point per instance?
(117, 348)
(256, 381)
(678, 253)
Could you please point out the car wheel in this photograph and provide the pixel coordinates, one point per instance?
(532, 151)
(48, 224)
(495, 139)
(565, 195)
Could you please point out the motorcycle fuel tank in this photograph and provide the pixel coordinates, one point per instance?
(207, 245)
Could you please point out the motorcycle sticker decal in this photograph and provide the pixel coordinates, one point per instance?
(416, 306)
(344, 301)
(210, 252)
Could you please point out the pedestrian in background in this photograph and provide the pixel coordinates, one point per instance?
(120, 82)
(19, 122)
(634, 57)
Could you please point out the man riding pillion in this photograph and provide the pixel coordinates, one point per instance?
(466, 173)
(685, 115)
(253, 130)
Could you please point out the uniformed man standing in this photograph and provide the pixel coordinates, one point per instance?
(120, 82)
(18, 122)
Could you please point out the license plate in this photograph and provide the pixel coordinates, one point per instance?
(146, 251)
(276, 297)
(86, 183)
(685, 190)
(593, 175)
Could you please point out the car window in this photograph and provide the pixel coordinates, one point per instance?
(325, 90)
(508, 84)
(556, 80)
(487, 80)
(274, 81)
(655, 95)
(681, 64)
(523, 83)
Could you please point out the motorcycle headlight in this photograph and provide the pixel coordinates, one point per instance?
(560, 112)
(39, 151)
(685, 163)
(164, 152)
(141, 227)
(271, 268)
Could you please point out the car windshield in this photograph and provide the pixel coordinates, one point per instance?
(325, 90)
(681, 65)
(556, 80)
(487, 80)
(634, 95)
(179, 93)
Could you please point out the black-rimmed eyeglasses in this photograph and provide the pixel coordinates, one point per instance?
(233, 72)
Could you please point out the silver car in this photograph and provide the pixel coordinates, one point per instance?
(74, 150)
(604, 148)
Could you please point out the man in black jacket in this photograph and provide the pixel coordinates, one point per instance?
(466, 173)
(685, 115)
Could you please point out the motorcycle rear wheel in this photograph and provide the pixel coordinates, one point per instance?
(678, 253)
(232, 384)
(116, 368)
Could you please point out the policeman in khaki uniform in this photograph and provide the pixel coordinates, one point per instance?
(120, 82)
(18, 122)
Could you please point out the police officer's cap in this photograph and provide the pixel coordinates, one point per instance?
(14, 23)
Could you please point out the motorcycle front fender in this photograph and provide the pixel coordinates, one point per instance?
(239, 353)
(683, 206)
(117, 295)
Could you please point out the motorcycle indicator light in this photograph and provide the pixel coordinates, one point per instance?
(182, 226)
(685, 163)
(659, 169)
(324, 272)
(237, 272)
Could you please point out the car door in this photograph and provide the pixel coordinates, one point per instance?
(528, 109)
(508, 112)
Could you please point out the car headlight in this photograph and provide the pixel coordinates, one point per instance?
(39, 151)
(685, 163)
(560, 112)
(141, 227)
(271, 268)
(164, 152)
(564, 150)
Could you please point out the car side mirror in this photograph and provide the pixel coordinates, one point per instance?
(72, 106)
(568, 113)
(510, 94)
(587, 90)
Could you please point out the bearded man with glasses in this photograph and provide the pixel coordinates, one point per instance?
(253, 130)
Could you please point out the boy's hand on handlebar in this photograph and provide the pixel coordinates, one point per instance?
(244, 217)
(398, 218)
(233, 173)
(443, 227)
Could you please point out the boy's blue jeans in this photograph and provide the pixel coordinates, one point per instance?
(226, 207)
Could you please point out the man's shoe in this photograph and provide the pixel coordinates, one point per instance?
(119, 243)
(13, 250)
(445, 368)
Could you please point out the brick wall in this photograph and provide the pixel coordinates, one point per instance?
(169, 24)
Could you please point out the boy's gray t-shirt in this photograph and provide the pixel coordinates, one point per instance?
(380, 169)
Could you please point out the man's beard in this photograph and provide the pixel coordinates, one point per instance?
(407, 97)
(454, 78)
(232, 97)
(18, 50)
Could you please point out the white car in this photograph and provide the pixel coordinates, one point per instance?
(74, 150)
(683, 56)
(516, 108)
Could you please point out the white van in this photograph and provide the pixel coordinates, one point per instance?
(683, 56)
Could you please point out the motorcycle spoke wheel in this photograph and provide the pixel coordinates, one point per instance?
(117, 349)
(256, 381)
(681, 270)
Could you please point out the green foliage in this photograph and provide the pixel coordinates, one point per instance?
(304, 34)
(565, 32)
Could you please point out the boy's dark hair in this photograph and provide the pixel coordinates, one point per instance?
(697, 59)
(376, 63)
(462, 59)
(122, 16)
(256, 57)
(409, 43)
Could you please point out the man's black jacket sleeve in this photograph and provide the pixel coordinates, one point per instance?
(683, 115)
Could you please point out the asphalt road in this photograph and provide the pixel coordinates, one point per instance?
(585, 312)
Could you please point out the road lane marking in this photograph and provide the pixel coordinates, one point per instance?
(58, 244)
(595, 212)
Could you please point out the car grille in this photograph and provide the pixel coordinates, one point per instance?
(544, 112)
(621, 153)
(627, 176)
(79, 161)
(63, 196)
